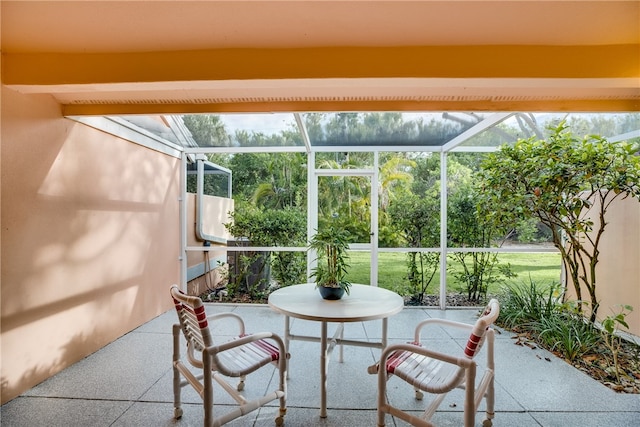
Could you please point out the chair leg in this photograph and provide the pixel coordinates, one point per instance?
(207, 396)
(490, 402)
(177, 410)
(490, 392)
(469, 401)
(282, 377)
(241, 383)
(382, 394)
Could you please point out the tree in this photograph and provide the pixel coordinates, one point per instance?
(285, 181)
(467, 229)
(417, 219)
(567, 183)
(207, 130)
(426, 173)
(395, 174)
(464, 228)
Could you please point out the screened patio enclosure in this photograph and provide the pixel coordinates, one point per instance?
(352, 148)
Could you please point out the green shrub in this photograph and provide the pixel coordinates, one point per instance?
(610, 326)
(556, 326)
(568, 334)
(522, 304)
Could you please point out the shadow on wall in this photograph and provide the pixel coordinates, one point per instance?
(36, 374)
(90, 240)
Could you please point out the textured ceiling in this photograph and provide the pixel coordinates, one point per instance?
(218, 55)
(142, 26)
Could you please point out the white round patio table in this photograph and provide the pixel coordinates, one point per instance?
(361, 304)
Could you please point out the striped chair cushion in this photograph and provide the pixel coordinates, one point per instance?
(423, 372)
(249, 357)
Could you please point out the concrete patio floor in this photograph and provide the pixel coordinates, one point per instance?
(128, 382)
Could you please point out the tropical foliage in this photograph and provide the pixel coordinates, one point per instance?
(409, 186)
(536, 313)
(270, 227)
(468, 229)
(567, 183)
(413, 217)
(330, 246)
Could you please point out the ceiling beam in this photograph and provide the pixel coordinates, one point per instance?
(48, 69)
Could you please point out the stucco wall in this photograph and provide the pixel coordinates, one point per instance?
(618, 272)
(90, 239)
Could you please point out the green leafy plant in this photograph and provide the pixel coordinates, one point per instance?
(568, 184)
(610, 327)
(421, 270)
(568, 334)
(270, 227)
(538, 310)
(415, 219)
(524, 305)
(537, 314)
(468, 229)
(331, 244)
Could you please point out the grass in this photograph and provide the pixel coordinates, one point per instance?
(392, 269)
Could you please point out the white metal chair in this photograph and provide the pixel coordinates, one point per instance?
(211, 361)
(434, 372)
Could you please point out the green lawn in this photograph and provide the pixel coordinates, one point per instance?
(543, 268)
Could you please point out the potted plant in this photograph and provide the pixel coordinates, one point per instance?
(331, 246)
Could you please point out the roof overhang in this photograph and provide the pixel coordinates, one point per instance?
(140, 57)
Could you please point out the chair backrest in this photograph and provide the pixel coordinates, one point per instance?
(476, 339)
(193, 319)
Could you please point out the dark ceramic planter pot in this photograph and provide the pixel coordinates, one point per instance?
(331, 293)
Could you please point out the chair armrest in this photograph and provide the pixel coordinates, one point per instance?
(229, 315)
(439, 322)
